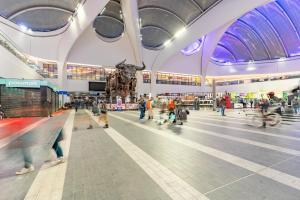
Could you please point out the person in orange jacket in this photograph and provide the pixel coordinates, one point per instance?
(149, 106)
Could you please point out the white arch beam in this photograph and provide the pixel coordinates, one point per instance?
(209, 45)
(84, 18)
(131, 20)
(222, 13)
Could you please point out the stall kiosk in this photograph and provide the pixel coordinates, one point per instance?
(28, 98)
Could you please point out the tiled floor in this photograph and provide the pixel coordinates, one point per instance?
(35, 142)
(209, 157)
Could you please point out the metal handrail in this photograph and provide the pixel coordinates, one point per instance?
(9, 45)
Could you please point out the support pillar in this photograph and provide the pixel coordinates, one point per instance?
(214, 94)
(153, 89)
(139, 83)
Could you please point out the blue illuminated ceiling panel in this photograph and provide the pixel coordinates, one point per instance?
(192, 48)
(268, 32)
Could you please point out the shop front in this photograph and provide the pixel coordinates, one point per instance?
(28, 98)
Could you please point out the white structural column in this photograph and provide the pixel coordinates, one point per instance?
(210, 43)
(131, 20)
(139, 84)
(153, 89)
(84, 18)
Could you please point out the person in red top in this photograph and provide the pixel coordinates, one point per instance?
(171, 105)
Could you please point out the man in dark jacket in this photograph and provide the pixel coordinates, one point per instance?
(223, 106)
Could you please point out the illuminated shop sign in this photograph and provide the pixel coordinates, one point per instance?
(23, 83)
(19, 83)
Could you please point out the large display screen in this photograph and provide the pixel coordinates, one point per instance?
(97, 86)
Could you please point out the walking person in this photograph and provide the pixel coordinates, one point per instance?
(295, 104)
(149, 106)
(222, 106)
(28, 163)
(104, 115)
(196, 103)
(49, 107)
(142, 107)
(251, 103)
(218, 104)
(57, 148)
(77, 104)
(2, 113)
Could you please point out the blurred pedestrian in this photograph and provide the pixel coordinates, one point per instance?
(149, 106)
(28, 164)
(223, 106)
(295, 104)
(142, 107)
(57, 148)
(2, 113)
(104, 115)
(251, 103)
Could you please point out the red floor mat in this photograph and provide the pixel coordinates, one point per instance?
(10, 127)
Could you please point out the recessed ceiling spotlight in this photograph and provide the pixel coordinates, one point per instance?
(180, 32)
(167, 43)
(103, 10)
(251, 68)
(70, 18)
(23, 27)
(282, 59)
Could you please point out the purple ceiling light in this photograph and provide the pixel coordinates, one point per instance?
(268, 32)
(192, 48)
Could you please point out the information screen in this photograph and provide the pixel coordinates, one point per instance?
(97, 86)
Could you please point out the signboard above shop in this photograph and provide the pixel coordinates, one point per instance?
(22, 83)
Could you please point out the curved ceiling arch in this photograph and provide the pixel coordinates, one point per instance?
(39, 15)
(160, 28)
(258, 35)
(177, 15)
(277, 25)
(289, 18)
(109, 24)
(274, 29)
(241, 42)
(39, 8)
(161, 9)
(228, 50)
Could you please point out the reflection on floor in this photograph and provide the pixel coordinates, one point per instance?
(209, 157)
